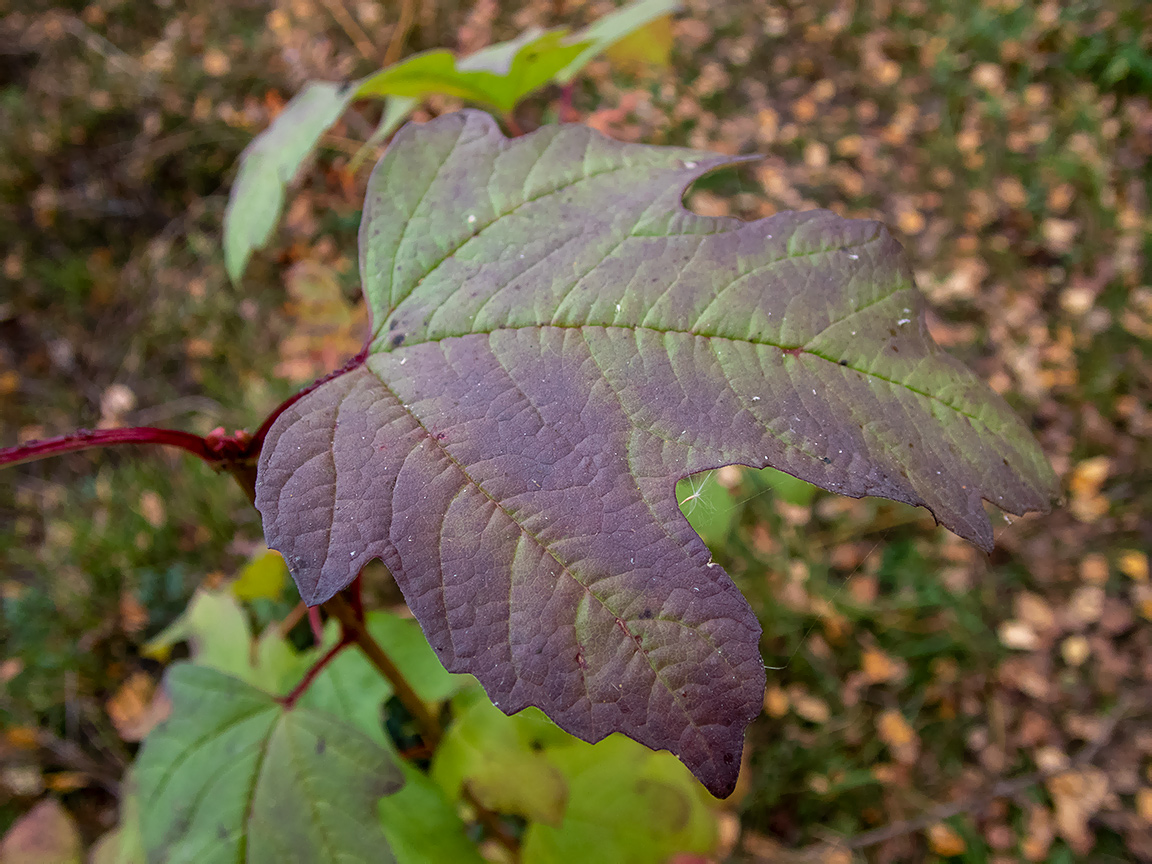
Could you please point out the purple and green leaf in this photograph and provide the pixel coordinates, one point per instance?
(555, 342)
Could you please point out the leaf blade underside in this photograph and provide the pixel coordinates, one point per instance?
(555, 342)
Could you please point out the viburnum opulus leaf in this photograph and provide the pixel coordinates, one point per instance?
(555, 341)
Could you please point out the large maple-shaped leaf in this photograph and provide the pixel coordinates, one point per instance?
(555, 341)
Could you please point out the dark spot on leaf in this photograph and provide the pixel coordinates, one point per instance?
(343, 88)
(843, 362)
(728, 758)
(895, 350)
(393, 324)
(535, 745)
(397, 340)
(826, 460)
(321, 746)
(795, 352)
(646, 614)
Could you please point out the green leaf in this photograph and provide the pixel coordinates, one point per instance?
(269, 164)
(403, 641)
(216, 629)
(498, 76)
(422, 826)
(786, 487)
(626, 804)
(605, 32)
(352, 689)
(707, 506)
(499, 759)
(233, 776)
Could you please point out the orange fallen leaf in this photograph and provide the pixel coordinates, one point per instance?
(944, 840)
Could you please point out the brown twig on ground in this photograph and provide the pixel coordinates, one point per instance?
(70, 755)
(400, 34)
(354, 30)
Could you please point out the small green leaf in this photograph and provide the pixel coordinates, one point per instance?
(233, 776)
(265, 575)
(626, 804)
(422, 826)
(605, 32)
(216, 629)
(499, 759)
(498, 76)
(270, 163)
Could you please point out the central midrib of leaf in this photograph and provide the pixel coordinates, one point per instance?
(384, 315)
(564, 567)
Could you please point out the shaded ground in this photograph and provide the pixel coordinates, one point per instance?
(1008, 146)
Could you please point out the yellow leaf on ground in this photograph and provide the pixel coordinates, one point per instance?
(945, 841)
(1134, 565)
(879, 668)
(811, 708)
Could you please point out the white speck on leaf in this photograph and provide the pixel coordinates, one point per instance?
(755, 398)
(903, 321)
(689, 165)
(403, 360)
(471, 219)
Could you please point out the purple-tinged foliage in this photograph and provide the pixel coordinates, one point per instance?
(556, 341)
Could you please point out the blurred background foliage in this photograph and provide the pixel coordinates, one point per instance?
(923, 698)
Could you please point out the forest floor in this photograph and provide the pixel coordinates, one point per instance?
(925, 701)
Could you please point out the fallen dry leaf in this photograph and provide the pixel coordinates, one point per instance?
(136, 707)
(46, 834)
(1078, 796)
(945, 841)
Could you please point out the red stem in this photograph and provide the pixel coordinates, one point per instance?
(315, 624)
(567, 109)
(317, 667)
(84, 439)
